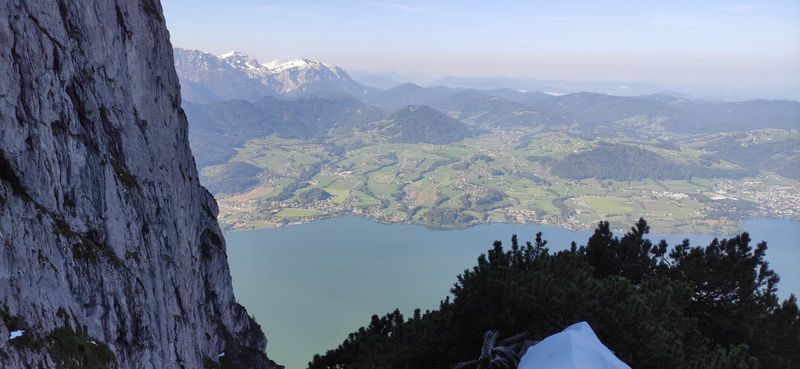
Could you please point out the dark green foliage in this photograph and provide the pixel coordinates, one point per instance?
(314, 195)
(92, 247)
(85, 251)
(489, 198)
(87, 247)
(62, 227)
(560, 203)
(781, 156)
(210, 241)
(445, 217)
(655, 307)
(15, 322)
(392, 341)
(212, 237)
(735, 299)
(150, 7)
(9, 175)
(482, 157)
(629, 163)
(74, 349)
(632, 257)
(422, 124)
(69, 201)
(302, 180)
(240, 349)
(69, 348)
(236, 356)
(440, 199)
(232, 177)
(124, 175)
(144, 230)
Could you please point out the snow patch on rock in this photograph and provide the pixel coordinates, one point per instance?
(15, 334)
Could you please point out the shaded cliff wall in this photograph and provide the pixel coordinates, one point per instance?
(110, 252)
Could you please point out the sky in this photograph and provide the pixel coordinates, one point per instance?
(678, 41)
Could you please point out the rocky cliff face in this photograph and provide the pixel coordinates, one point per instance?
(110, 253)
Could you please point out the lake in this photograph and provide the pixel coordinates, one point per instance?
(310, 285)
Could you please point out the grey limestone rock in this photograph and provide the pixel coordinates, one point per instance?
(110, 252)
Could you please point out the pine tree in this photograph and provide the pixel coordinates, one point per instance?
(692, 307)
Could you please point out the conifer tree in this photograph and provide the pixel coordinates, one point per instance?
(709, 307)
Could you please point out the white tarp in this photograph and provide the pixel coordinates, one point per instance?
(576, 347)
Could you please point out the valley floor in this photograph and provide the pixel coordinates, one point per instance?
(500, 176)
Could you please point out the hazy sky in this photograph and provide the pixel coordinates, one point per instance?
(633, 40)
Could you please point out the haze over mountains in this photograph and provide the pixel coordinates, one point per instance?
(208, 78)
(235, 103)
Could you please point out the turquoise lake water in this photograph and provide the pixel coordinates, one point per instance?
(310, 285)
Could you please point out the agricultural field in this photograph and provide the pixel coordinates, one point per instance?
(498, 176)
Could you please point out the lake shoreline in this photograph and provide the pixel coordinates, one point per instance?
(726, 231)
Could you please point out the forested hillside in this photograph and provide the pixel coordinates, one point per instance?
(421, 124)
(630, 163)
(655, 306)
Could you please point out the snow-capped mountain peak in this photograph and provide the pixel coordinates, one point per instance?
(239, 59)
(278, 66)
(206, 76)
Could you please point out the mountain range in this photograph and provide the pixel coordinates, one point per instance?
(206, 77)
